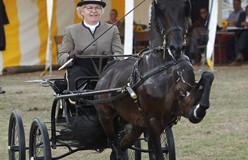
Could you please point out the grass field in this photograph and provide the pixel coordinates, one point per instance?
(222, 135)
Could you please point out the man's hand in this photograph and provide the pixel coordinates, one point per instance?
(244, 24)
(74, 54)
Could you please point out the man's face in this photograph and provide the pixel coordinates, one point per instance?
(113, 15)
(204, 13)
(92, 13)
(236, 5)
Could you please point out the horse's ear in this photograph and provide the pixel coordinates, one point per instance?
(187, 11)
(188, 8)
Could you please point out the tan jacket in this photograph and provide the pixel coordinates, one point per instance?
(78, 36)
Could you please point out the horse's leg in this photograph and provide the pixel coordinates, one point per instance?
(203, 87)
(132, 133)
(207, 78)
(106, 115)
(154, 127)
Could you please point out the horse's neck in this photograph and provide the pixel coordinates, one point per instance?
(149, 62)
(156, 39)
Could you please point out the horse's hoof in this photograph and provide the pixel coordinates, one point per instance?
(197, 113)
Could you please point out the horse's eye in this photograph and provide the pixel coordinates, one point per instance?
(162, 8)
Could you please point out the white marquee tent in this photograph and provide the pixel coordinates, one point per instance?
(30, 28)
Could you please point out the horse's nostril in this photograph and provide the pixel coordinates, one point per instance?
(184, 47)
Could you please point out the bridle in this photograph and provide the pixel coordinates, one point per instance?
(164, 33)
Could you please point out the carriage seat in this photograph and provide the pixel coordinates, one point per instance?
(86, 83)
(59, 86)
(74, 104)
(82, 83)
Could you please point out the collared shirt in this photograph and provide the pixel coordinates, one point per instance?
(234, 15)
(91, 27)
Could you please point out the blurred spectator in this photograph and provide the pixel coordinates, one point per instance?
(234, 15)
(195, 6)
(198, 34)
(3, 21)
(242, 39)
(228, 40)
(113, 20)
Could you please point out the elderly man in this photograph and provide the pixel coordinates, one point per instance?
(229, 39)
(87, 38)
(242, 39)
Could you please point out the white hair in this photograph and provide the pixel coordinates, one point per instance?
(79, 12)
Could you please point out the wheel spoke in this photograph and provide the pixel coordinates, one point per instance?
(39, 144)
(16, 139)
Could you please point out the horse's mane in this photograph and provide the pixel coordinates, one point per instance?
(154, 27)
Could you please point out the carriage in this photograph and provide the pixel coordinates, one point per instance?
(135, 100)
(73, 125)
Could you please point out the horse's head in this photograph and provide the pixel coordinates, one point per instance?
(169, 25)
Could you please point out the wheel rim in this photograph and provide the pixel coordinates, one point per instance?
(133, 154)
(170, 144)
(164, 145)
(14, 142)
(16, 137)
(167, 144)
(39, 141)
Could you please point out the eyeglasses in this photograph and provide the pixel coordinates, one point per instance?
(90, 9)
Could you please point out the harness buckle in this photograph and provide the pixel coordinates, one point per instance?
(133, 95)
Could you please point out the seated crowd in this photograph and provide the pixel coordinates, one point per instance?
(234, 43)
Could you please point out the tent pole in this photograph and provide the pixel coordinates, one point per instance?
(128, 38)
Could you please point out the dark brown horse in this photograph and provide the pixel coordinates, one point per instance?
(162, 79)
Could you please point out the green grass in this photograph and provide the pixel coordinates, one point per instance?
(222, 135)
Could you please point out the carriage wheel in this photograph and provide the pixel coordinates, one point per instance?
(133, 154)
(168, 145)
(39, 143)
(16, 137)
